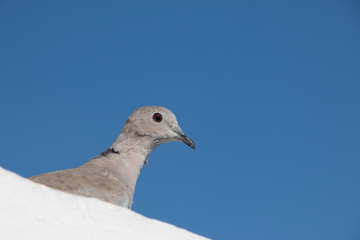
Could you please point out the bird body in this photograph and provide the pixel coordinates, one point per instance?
(112, 175)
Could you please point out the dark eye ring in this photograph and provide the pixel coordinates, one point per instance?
(157, 117)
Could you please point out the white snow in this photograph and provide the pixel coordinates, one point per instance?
(32, 211)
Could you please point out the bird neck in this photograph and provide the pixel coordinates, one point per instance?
(125, 158)
(131, 153)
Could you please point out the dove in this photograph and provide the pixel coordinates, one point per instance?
(112, 175)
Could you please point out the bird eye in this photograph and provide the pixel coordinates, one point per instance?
(157, 117)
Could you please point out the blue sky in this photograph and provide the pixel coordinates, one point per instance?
(268, 90)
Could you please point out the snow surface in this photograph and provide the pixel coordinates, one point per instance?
(32, 211)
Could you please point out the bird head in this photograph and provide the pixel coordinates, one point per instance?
(157, 124)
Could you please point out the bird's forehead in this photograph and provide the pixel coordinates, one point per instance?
(147, 112)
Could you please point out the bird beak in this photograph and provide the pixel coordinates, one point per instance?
(183, 138)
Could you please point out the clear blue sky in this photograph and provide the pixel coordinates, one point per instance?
(268, 90)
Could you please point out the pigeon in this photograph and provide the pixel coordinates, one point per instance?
(112, 175)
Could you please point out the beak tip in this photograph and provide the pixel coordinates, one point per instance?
(183, 138)
(190, 143)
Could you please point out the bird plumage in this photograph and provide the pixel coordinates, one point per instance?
(112, 175)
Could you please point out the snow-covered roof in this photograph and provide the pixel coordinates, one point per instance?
(32, 211)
